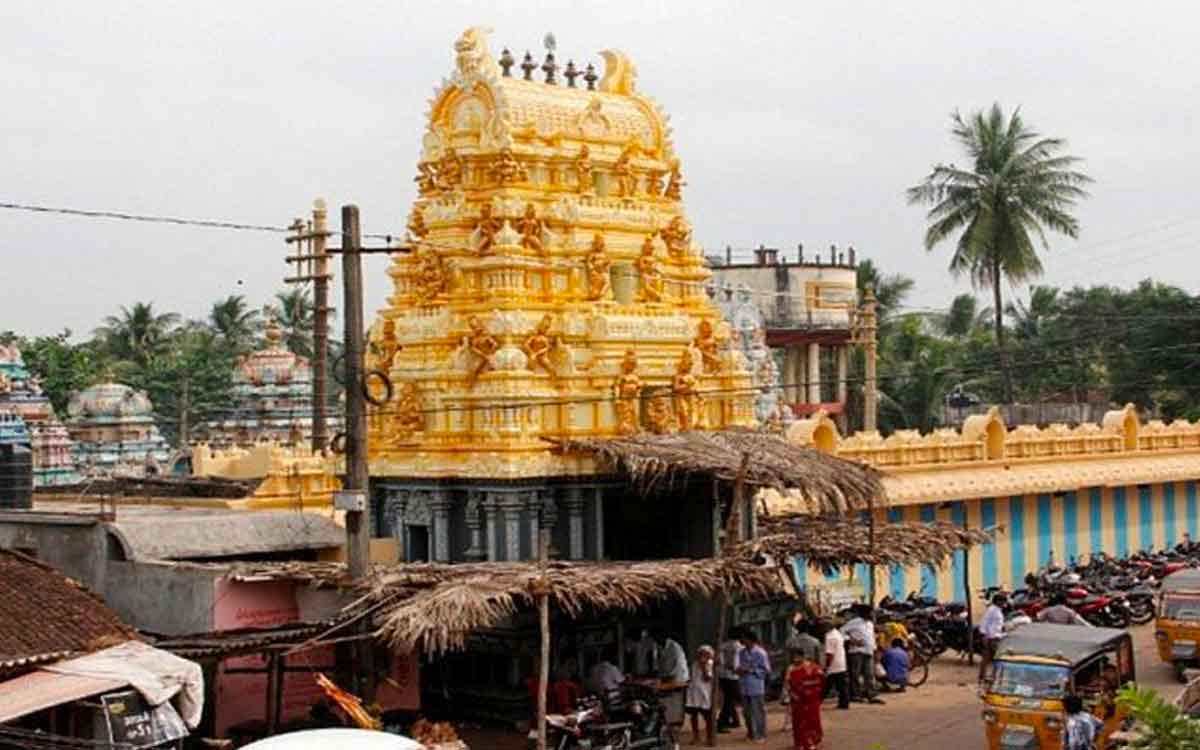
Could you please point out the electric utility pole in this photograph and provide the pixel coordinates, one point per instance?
(312, 265)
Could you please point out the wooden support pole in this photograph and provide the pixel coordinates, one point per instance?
(358, 525)
(733, 535)
(543, 600)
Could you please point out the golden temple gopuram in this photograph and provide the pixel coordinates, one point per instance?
(554, 289)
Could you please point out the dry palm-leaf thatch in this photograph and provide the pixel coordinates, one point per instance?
(832, 484)
(830, 543)
(436, 607)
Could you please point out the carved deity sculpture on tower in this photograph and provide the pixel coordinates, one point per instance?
(539, 346)
(623, 172)
(598, 266)
(709, 347)
(530, 227)
(506, 169)
(450, 169)
(482, 345)
(675, 183)
(628, 390)
(409, 418)
(583, 170)
(416, 224)
(387, 346)
(677, 236)
(432, 276)
(426, 179)
(689, 405)
(650, 269)
(658, 411)
(486, 228)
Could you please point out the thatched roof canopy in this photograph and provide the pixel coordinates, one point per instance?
(830, 483)
(436, 607)
(829, 543)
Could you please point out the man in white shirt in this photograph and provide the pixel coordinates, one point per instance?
(672, 665)
(835, 663)
(991, 628)
(860, 652)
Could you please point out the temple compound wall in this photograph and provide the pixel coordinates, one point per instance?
(1052, 494)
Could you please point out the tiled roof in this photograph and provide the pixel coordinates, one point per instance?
(45, 615)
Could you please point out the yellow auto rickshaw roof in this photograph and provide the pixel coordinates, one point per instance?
(1066, 644)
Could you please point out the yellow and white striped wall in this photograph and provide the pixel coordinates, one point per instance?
(1031, 531)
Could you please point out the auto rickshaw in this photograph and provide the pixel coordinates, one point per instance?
(1037, 666)
(1177, 627)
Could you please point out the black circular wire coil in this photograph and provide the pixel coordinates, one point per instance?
(337, 444)
(387, 385)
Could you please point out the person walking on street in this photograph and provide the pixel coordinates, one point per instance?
(753, 668)
(860, 651)
(727, 679)
(699, 696)
(835, 663)
(804, 684)
(991, 628)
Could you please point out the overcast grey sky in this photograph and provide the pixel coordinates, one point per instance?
(796, 122)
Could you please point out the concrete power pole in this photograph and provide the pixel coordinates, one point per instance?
(870, 329)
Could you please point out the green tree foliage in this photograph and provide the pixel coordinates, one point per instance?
(235, 322)
(136, 334)
(1160, 724)
(63, 367)
(1019, 185)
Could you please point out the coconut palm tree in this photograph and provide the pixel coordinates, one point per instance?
(294, 311)
(1019, 185)
(136, 333)
(235, 322)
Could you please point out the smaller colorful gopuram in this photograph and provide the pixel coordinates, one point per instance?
(21, 394)
(114, 431)
(748, 337)
(272, 393)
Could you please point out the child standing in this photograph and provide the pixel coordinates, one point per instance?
(698, 700)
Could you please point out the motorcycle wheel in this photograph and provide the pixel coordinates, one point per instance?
(1141, 614)
(918, 670)
(1118, 619)
(1181, 672)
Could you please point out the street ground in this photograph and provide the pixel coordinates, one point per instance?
(942, 713)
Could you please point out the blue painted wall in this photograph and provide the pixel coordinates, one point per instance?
(987, 519)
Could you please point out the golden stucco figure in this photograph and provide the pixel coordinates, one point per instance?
(651, 271)
(677, 237)
(675, 183)
(539, 346)
(598, 266)
(408, 417)
(481, 345)
(583, 170)
(685, 386)
(627, 390)
(709, 346)
(387, 346)
(416, 223)
(654, 182)
(658, 412)
(531, 227)
(487, 227)
(432, 276)
(623, 172)
(450, 170)
(506, 169)
(426, 178)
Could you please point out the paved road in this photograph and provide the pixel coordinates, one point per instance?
(943, 713)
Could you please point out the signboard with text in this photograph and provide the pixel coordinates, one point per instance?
(132, 721)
